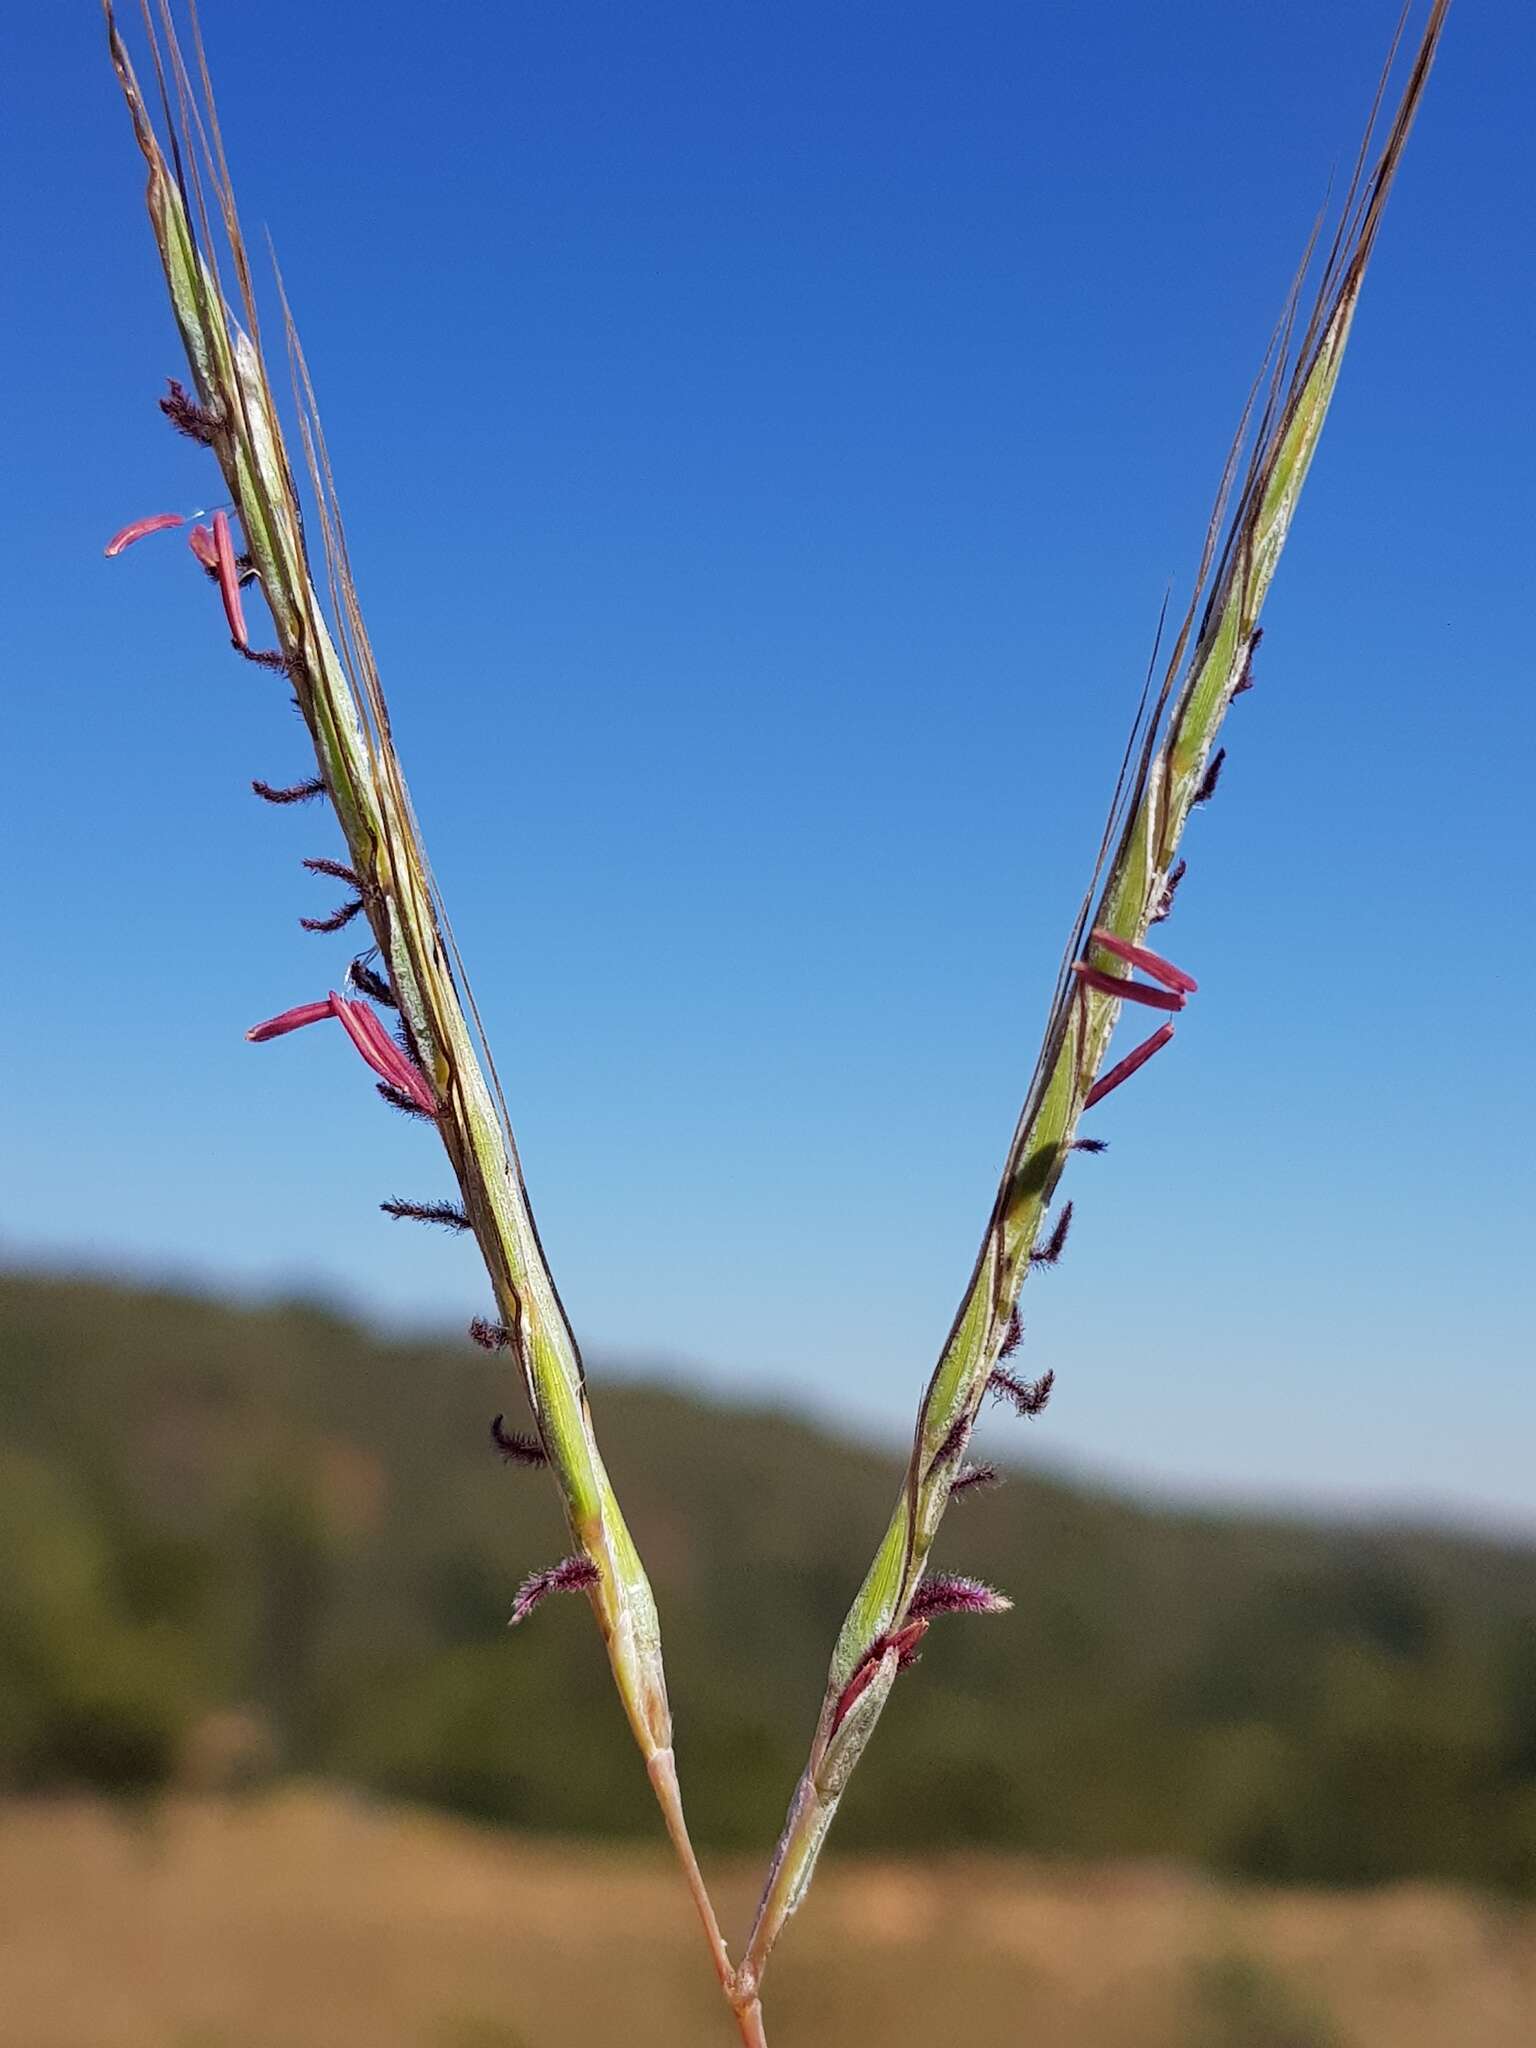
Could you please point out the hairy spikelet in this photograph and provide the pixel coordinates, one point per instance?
(1025, 1397)
(296, 792)
(515, 1445)
(974, 1479)
(369, 982)
(451, 1215)
(571, 1575)
(1049, 1253)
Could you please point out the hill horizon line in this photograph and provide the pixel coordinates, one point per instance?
(698, 1382)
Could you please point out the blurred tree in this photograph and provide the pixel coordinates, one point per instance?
(235, 1537)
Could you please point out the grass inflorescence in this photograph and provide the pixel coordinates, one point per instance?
(431, 1060)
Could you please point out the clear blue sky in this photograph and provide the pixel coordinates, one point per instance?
(766, 434)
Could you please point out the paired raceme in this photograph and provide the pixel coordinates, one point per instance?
(428, 1067)
(1173, 764)
(431, 1069)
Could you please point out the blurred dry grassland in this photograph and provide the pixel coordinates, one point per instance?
(308, 1919)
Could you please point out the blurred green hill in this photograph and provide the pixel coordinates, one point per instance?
(238, 1543)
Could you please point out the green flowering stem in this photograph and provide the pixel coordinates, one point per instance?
(337, 689)
(1175, 765)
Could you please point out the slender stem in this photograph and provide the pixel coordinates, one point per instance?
(793, 1859)
(662, 1770)
(749, 2018)
(741, 1996)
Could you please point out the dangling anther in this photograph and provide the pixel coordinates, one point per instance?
(202, 543)
(229, 579)
(156, 522)
(1149, 962)
(369, 1037)
(1123, 1070)
(1124, 990)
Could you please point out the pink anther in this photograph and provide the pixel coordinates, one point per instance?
(157, 522)
(1123, 989)
(381, 1052)
(1149, 962)
(373, 1042)
(1136, 1058)
(229, 579)
(200, 541)
(290, 1020)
